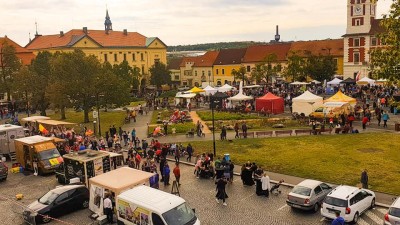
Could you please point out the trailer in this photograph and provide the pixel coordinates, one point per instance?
(8, 133)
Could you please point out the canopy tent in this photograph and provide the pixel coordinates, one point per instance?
(334, 104)
(34, 118)
(335, 81)
(348, 81)
(54, 122)
(298, 83)
(270, 103)
(252, 86)
(210, 90)
(340, 97)
(365, 81)
(184, 95)
(225, 88)
(240, 96)
(196, 90)
(382, 80)
(315, 82)
(306, 103)
(116, 181)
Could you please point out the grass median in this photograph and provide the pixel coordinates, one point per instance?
(337, 159)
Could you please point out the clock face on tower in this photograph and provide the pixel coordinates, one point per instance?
(357, 10)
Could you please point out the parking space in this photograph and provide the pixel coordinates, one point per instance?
(244, 206)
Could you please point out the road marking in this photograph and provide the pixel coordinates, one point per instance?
(361, 221)
(282, 207)
(371, 215)
(384, 211)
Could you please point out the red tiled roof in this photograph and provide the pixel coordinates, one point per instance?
(320, 47)
(24, 54)
(257, 53)
(230, 56)
(376, 27)
(206, 60)
(174, 63)
(187, 60)
(112, 39)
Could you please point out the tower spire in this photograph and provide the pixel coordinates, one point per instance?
(107, 22)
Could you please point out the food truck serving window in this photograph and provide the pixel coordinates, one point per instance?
(180, 215)
(49, 154)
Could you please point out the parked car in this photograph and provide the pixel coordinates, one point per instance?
(393, 215)
(3, 171)
(308, 195)
(57, 202)
(351, 202)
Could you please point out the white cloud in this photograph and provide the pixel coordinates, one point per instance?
(182, 21)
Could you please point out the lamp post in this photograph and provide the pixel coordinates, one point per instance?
(209, 79)
(213, 101)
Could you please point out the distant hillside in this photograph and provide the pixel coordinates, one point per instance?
(212, 46)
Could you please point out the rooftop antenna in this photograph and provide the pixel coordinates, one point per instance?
(30, 37)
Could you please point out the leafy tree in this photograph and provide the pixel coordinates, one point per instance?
(385, 60)
(9, 65)
(295, 67)
(24, 84)
(320, 67)
(160, 74)
(266, 69)
(240, 74)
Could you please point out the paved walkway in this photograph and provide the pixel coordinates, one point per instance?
(196, 118)
(141, 131)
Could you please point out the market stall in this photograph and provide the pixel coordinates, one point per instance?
(114, 182)
(306, 103)
(225, 88)
(340, 97)
(270, 103)
(183, 97)
(210, 90)
(366, 81)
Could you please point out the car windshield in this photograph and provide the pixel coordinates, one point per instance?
(48, 198)
(300, 190)
(394, 212)
(49, 154)
(336, 201)
(180, 215)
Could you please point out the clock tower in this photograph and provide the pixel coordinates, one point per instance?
(359, 37)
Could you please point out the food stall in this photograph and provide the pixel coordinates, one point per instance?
(84, 165)
(116, 160)
(114, 182)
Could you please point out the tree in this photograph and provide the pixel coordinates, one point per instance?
(385, 60)
(320, 67)
(266, 69)
(295, 67)
(24, 84)
(9, 65)
(240, 74)
(160, 74)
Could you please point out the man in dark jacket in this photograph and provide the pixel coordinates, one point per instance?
(364, 179)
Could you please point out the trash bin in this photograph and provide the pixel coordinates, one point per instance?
(227, 157)
(397, 126)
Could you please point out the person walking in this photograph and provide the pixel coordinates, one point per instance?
(364, 122)
(107, 205)
(338, 220)
(364, 179)
(236, 130)
(189, 151)
(385, 118)
(133, 134)
(244, 129)
(378, 114)
(177, 153)
(167, 172)
(223, 133)
(177, 173)
(221, 193)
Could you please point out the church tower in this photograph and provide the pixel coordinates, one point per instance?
(359, 37)
(107, 23)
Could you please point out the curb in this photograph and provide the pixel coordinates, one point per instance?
(272, 181)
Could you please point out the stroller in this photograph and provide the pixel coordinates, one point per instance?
(275, 189)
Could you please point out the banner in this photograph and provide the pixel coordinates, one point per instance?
(96, 199)
(98, 166)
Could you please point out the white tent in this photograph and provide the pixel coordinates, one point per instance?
(366, 80)
(298, 83)
(335, 81)
(240, 96)
(307, 103)
(225, 88)
(252, 86)
(180, 95)
(210, 90)
(315, 82)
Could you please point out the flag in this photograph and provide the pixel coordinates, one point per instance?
(358, 76)
(42, 129)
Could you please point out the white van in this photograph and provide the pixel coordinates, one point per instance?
(144, 205)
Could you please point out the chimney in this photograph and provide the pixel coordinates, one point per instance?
(61, 33)
(277, 36)
(85, 30)
(125, 32)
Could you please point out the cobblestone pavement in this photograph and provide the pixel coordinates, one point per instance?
(244, 207)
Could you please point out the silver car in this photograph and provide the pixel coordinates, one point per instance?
(308, 195)
(393, 215)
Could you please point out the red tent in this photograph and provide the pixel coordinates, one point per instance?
(270, 103)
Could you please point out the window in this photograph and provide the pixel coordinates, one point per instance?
(105, 58)
(358, 1)
(335, 61)
(325, 186)
(133, 57)
(358, 197)
(223, 71)
(357, 42)
(141, 56)
(124, 57)
(374, 41)
(156, 61)
(142, 69)
(356, 57)
(358, 22)
(195, 72)
(202, 73)
(317, 190)
(219, 83)
(62, 197)
(115, 57)
(176, 77)
(217, 72)
(156, 219)
(184, 83)
(248, 68)
(209, 73)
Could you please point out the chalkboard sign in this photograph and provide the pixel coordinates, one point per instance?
(73, 169)
(90, 169)
(106, 164)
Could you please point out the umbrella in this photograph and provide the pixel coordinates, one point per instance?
(196, 90)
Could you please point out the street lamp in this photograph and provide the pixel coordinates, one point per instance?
(209, 79)
(213, 102)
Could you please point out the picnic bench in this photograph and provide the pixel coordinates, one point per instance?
(264, 133)
(248, 134)
(304, 131)
(320, 131)
(279, 132)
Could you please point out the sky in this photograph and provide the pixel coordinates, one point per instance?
(181, 22)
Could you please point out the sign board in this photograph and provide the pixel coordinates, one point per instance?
(95, 114)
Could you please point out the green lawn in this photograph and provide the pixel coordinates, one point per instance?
(332, 158)
(116, 118)
(207, 116)
(181, 128)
